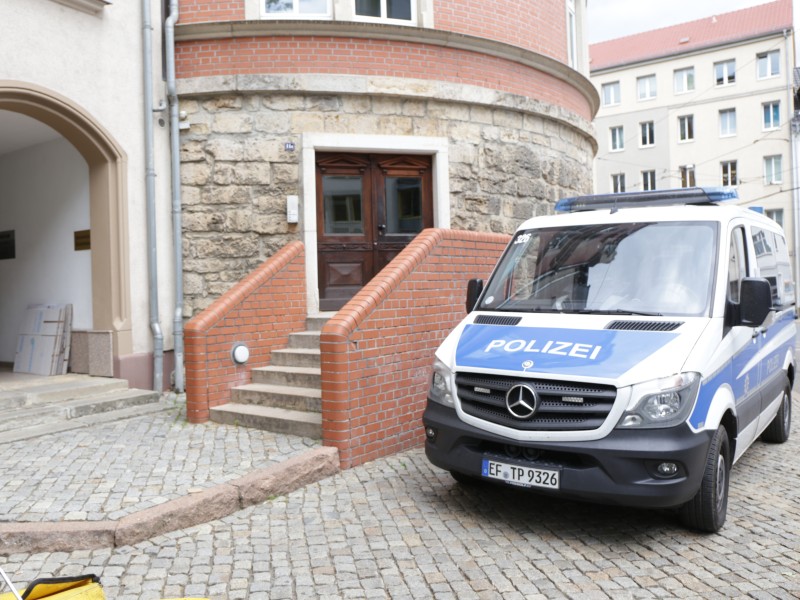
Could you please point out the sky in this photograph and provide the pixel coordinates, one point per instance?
(609, 19)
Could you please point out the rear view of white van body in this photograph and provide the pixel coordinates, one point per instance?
(628, 352)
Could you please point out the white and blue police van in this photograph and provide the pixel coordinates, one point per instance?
(627, 350)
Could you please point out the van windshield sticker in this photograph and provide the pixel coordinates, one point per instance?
(585, 352)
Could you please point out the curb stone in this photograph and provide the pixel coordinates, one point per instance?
(196, 508)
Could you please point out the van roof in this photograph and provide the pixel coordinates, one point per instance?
(671, 197)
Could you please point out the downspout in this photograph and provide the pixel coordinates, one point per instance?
(177, 234)
(150, 195)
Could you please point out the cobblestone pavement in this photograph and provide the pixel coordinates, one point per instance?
(109, 471)
(400, 528)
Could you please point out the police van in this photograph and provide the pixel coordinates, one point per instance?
(627, 350)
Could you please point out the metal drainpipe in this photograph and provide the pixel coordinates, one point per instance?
(150, 192)
(177, 234)
(790, 112)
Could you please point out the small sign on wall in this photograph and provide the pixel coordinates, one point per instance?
(8, 247)
(83, 240)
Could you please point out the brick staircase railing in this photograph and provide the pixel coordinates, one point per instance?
(377, 352)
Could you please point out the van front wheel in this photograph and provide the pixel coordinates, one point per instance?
(707, 510)
(777, 431)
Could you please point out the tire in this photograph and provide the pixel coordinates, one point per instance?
(777, 431)
(707, 510)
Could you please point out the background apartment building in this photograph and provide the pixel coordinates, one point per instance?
(706, 103)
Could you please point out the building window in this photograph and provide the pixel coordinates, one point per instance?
(646, 87)
(618, 183)
(727, 122)
(297, 9)
(725, 72)
(648, 180)
(776, 214)
(768, 64)
(729, 173)
(772, 115)
(611, 93)
(684, 80)
(686, 128)
(402, 11)
(687, 176)
(617, 139)
(773, 172)
(572, 39)
(648, 134)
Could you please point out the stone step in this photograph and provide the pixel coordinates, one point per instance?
(296, 357)
(64, 410)
(315, 322)
(304, 339)
(57, 425)
(58, 389)
(308, 377)
(278, 396)
(278, 420)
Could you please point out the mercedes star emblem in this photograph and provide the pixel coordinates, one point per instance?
(522, 401)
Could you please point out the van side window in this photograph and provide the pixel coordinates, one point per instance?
(737, 265)
(772, 258)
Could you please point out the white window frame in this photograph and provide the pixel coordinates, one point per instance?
(295, 12)
(768, 60)
(647, 129)
(616, 138)
(646, 84)
(688, 178)
(618, 183)
(773, 169)
(730, 170)
(684, 77)
(572, 35)
(648, 180)
(776, 214)
(685, 132)
(384, 19)
(772, 124)
(727, 122)
(728, 72)
(615, 93)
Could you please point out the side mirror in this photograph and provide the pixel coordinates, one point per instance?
(474, 290)
(755, 301)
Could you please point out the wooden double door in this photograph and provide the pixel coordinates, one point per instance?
(369, 207)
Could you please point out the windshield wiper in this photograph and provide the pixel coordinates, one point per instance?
(615, 311)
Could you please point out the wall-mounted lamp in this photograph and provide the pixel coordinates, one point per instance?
(240, 354)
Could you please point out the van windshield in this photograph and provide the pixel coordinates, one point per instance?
(621, 268)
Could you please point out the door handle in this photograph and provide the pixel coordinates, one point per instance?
(381, 229)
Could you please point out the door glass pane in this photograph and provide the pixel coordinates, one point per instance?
(313, 6)
(398, 9)
(368, 8)
(403, 204)
(278, 6)
(342, 204)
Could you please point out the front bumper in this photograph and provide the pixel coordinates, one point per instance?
(618, 469)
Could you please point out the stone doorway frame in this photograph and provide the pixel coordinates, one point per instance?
(435, 147)
(108, 201)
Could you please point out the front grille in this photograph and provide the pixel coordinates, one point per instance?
(484, 397)
(497, 320)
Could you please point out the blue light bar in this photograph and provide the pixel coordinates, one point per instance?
(671, 197)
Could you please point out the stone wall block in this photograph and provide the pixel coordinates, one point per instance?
(226, 246)
(232, 122)
(285, 173)
(323, 103)
(264, 149)
(190, 195)
(226, 102)
(271, 122)
(225, 148)
(192, 151)
(228, 194)
(195, 173)
(285, 102)
(251, 173)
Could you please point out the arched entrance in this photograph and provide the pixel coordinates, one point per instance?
(107, 163)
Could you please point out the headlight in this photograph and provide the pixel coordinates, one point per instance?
(662, 402)
(440, 391)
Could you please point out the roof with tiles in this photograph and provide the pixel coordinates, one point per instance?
(708, 32)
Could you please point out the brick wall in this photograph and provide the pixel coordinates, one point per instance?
(374, 58)
(205, 11)
(260, 311)
(378, 350)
